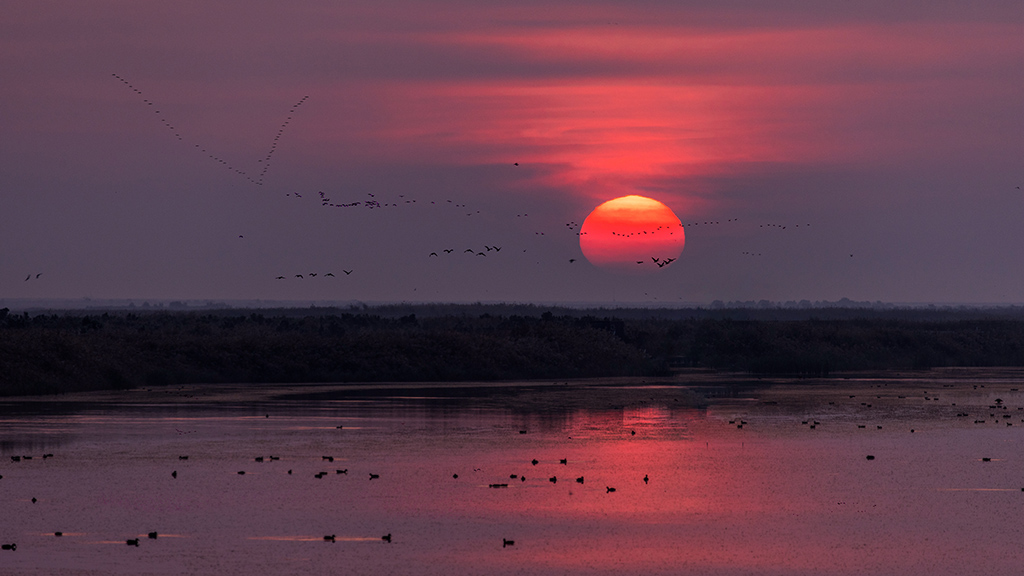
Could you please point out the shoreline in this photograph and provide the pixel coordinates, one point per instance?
(695, 387)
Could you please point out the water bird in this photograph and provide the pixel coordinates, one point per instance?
(609, 489)
(259, 458)
(522, 431)
(646, 479)
(580, 480)
(505, 542)
(328, 458)
(497, 485)
(534, 461)
(563, 461)
(34, 500)
(870, 457)
(11, 547)
(289, 471)
(241, 472)
(45, 456)
(15, 458)
(182, 457)
(319, 475)
(632, 432)
(986, 459)
(174, 474)
(553, 479)
(132, 542)
(342, 471)
(58, 533)
(152, 535)
(455, 476)
(329, 538)
(513, 476)
(386, 537)
(372, 476)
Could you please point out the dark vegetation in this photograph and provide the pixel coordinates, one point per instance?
(69, 351)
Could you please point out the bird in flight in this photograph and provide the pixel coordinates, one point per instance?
(449, 250)
(432, 254)
(347, 272)
(312, 274)
(329, 274)
(571, 260)
(279, 278)
(298, 275)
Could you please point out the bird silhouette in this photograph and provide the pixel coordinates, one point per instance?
(432, 254)
(347, 272)
(329, 274)
(279, 278)
(449, 251)
(298, 275)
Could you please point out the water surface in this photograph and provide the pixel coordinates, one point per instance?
(775, 481)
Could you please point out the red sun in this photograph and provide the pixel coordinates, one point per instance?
(632, 233)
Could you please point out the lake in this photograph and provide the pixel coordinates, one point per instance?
(755, 480)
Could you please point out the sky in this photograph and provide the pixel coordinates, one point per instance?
(201, 150)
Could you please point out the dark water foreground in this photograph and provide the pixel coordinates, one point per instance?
(771, 480)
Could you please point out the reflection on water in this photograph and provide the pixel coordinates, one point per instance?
(789, 492)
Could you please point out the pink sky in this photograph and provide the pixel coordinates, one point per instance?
(896, 132)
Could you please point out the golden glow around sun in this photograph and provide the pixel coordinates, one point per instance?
(632, 233)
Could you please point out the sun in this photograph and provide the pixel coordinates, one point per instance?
(632, 233)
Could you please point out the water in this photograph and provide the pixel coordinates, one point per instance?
(772, 497)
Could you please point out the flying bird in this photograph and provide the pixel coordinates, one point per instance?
(571, 260)
(279, 278)
(329, 274)
(298, 275)
(432, 254)
(347, 272)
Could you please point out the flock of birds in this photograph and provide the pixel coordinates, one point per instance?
(256, 179)
(998, 412)
(313, 275)
(387, 538)
(257, 176)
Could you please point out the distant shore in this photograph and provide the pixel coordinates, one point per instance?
(75, 352)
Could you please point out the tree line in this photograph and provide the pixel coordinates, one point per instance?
(45, 353)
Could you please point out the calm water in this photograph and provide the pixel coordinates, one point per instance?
(772, 497)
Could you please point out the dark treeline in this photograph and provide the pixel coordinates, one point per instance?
(69, 351)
